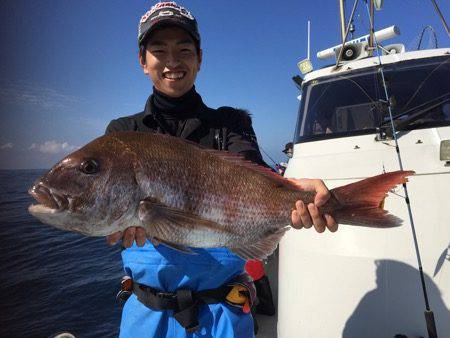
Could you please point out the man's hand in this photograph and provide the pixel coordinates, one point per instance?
(306, 216)
(128, 236)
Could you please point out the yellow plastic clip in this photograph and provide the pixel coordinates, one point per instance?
(238, 296)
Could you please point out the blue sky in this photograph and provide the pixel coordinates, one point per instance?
(68, 67)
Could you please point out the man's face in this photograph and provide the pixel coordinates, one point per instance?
(171, 61)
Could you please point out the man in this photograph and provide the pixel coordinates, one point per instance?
(170, 54)
(289, 151)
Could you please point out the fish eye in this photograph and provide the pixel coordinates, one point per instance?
(89, 167)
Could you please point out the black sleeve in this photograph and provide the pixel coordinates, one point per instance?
(113, 126)
(127, 123)
(241, 138)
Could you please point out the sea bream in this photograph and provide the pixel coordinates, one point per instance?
(187, 196)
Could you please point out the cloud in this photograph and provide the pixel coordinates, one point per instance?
(8, 145)
(53, 147)
(43, 97)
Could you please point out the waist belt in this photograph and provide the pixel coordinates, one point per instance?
(185, 302)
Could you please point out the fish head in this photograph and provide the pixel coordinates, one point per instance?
(92, 191)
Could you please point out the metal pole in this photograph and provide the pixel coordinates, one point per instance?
(372, 28)
(342, 14)
(346, 33)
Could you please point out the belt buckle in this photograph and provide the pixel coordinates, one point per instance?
(126, 289)
(123, 295)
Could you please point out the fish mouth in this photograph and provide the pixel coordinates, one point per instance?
(48, 199)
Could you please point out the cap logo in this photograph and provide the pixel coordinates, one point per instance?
(145, 17)
(169, 5)
(163, 13)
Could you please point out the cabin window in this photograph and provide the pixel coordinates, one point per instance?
(354, 103)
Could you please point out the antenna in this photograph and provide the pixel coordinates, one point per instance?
(309, 37)
(305, 65)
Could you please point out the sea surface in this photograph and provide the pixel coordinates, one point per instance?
(52, 281)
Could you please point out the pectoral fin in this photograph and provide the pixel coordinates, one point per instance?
(152, 211)
(148, 210)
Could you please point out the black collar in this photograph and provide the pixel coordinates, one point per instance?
(191, 117)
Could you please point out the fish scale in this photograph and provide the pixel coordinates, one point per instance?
(187, 196)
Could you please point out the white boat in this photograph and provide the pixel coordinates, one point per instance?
(363, 282)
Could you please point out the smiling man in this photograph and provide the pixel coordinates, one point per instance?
(172, 60)
(174, 293)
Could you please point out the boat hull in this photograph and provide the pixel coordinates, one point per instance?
(362, 282)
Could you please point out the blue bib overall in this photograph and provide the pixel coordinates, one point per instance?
(167, 270)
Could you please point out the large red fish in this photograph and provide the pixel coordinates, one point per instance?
(187, 196)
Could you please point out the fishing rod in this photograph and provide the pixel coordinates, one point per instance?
(265, 153)
(253, 136)
(441, 16)
(429, 315)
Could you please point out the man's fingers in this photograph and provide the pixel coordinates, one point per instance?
(322, 193)
(304, 214)
(140, 236)
(296, 220)
(114, 238)
(317, 219)
(331, 223)
(128, 237)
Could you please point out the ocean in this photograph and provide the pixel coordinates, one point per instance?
(52, 281)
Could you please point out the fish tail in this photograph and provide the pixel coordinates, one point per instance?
(361, 203)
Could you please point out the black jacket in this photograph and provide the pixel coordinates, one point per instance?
(225, 128)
